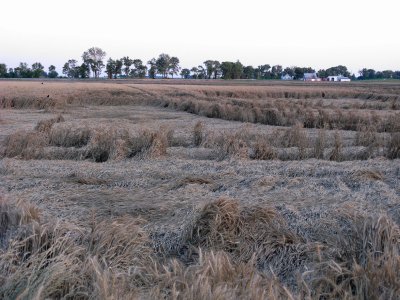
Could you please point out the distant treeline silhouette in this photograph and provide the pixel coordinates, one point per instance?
(166, 66)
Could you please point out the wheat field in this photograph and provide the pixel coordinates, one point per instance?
(175, 189)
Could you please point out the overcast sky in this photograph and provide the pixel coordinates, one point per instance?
(312, 33)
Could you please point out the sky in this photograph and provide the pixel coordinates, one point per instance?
(314, 33)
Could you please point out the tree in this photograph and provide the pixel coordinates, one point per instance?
(23, 71)
(232, 70)
(118, 68)
(70, 69)
(94, 58)
(209, 68)
(262, 71)
(299, 72)
(139, 70)
(110, 67)
(11, 73)
(289, 71)
(367, 74)
(3, 70)
(173, 67)
(248, 72)
(153, 68)
(195, 72)
(217, 69)
(82, 71)
(127, 62)
(237, 70)
(113, 68)
(334, 71)
(37, 70)
(387, 74)
(276, 72)
(212, 68)
(201, 72)
(167, 65)
(322, 73)
(227, 69)
(162, 64)
(185, 73)
(52, 72)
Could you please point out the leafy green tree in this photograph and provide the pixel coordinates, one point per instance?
(227, 69)
(153, 68)
(322, 73)
(217, 69)
(195, 72)
(3, 70)
(264, 71)
(94, 58)
(237, 70)
(52, 72)
(289, 71)
(167, 65)
(11, 73)
(201, 72)
(139, 70)
(387, 74)
(70, 69)
(82, 71)
(276, 72)
(185, 73)
(231, 70)
(248, 72)
(23, 71)
(334, 71)
(338, 70)
(127, 62)
(299, 72)
(110, 67)
(173, 67)
(366, 74)
(162, 63)
(118, 68)
(113, 68)
(209, 68)
(37, 70)
(212, 68)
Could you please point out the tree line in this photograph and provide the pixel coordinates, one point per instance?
(166, 66)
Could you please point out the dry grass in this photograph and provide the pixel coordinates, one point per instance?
(369, 175)
(336, 153)
(25, 144)
(393, 148)
(236, 252)
(263, 151)
(189, 207)
(315, 106)
(46, 125)
(320, 144)
(148, 144)
(198, 134)
(69, 134)
(101, 143)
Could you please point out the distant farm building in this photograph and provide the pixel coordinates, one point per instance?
(339, 78)
(286, 77)
(311, 77)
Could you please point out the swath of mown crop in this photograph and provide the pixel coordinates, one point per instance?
(163, 189)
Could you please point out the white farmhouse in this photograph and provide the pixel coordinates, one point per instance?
(286, 77)
(339, 78)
